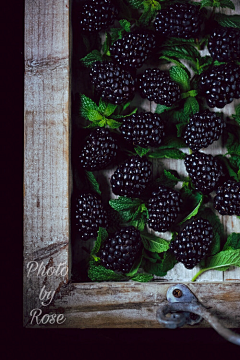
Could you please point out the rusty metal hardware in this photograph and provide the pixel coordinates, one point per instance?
(184, 308)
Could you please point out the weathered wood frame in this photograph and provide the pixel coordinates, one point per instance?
(47, 192)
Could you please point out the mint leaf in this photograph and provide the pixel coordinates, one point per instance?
(181, 51)
(136, 4)
(141, 151)
(86, 105)
(230, 165)
(93, 182)
(125, 24)
(199, 198)
(191, 106)
(100, 273)
(181, 77)
(205, 3)
(109, 110)
(142, 277)
(221, 261)
(102, 236)
(91, 58)
(167, 154)
(113, 124)
(161, 267)
(161, 108)
(125, 203)
(228, 20)
(233, 242)
(171, 142)
(135, 267)
(154, 243)
(227, 4)
(180, 128)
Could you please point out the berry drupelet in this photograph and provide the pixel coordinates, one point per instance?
(97, 15)
(224, 44)
(227, 199)
(221, 84)
(157, 86)
(203, 128)
(163, 208)
(99, 151)
(121, 249)
(192, 243)
(112, 83)
(204, 170)
(89, 215)
(133, 49)
(132, 177)
(144, 129)
(181, 20)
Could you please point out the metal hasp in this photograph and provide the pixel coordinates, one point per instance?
(184, 308)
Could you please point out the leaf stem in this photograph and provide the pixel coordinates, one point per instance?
(199, 273)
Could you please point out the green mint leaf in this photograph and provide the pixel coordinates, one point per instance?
(100, 273)
(194, 212)
(181, 77)
(123, 116)
(234, 161)
(233, 242)
(125, 203)
(154, 243)
(135, 267)
(94, 115)
(227, 4)
(181, 51)
(171, 175)
(109, 110)
(171, 142)
(161, 267)
(113, 124)
(229, 164)
(125, 25)
(102, 236)
(228, 20)
(161, 108)
(93, 182)
(91, 58)
(168, 178)
(205, 3)
(141, 151)
(172, 60)
(107, 43)
(180, 128)
(221, 261)
(142, 277)
(204, 63)
(102, 106)
(167, 154)
(86, 105)
(191, 106)
(233, 142)
(116, 34)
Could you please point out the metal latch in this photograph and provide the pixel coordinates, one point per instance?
(184, 308)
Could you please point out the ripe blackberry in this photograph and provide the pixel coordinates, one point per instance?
(114, 84)
(224, 44)
(89, 215)
(179, 20)
(227, 200)
(100, 150)
(204, 171)
(157, 86)
(121, 249)
(221, 84)
(97, 15)
(163, 208)
(131, 177)
(203, 128)
(133, 49)
(192, 243)
(145, 129)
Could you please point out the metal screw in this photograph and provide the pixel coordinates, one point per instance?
(177, 293)
(193, 316)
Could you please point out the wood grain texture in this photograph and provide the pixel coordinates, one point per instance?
(134, 305)
(46, 151)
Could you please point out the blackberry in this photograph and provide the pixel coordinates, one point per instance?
(89, 215)
(163, 208)
(157, 86)
(99, 151)
(121, 249)
(204, 170)
(224, 44)
(221, 84)
(145, 129)
(97, 15)
(179, 20)
(133, 49)
(131, 177)
(192, 243)
(114, 84)
(227, 200)
(203, 128)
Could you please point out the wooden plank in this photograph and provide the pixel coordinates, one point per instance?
(46, 166)
(134, 305)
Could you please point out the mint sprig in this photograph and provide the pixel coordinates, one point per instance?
(218, 4)
(154, 243)
(94, 185)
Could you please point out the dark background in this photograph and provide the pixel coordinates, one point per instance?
(50, 343)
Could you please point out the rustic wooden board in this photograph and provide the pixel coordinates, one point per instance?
(46, 164)
(47, 188)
